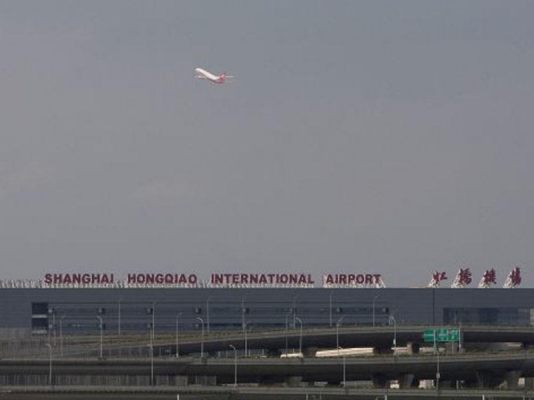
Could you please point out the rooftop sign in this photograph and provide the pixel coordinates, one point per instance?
(184, 280)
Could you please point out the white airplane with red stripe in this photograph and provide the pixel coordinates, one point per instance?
(203, 74)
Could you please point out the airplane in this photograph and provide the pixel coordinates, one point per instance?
(203, 74)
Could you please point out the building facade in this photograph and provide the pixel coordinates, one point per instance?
(45, 311)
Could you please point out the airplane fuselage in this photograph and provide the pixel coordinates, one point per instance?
(208, 75)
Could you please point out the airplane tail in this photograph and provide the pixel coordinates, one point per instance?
(222, 77)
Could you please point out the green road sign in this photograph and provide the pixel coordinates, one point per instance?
(428, 335)
(441, 335)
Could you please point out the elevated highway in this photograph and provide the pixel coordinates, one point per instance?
(257, 393)
(380, 338)
(477, 370)
(219, 363)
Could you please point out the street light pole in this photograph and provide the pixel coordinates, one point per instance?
(300, 339)
(208, 314)
(243, 310)
(438, 375)
(243, 322)
(338, 323)
(153, 322)
(330, 309)
(374, 301)
(295, 298)
(119, 319)
(392, 319)
(101, 335)
(61, 334)
(50, 366)
(202, 338)
(344, 371)
(54, 326)
(460, 336)
(235, 364)
(151, 347)
(344, 367)
(246, 340)
(287, 333)
(177, 333)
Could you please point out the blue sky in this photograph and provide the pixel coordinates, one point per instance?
(369, 137)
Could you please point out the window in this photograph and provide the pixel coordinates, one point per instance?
(39, 308)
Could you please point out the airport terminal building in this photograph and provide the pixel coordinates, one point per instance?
(164, 303)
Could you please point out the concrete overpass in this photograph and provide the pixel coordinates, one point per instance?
(257, 393)
(380, 338)
(486, 370)
(272, 343)
(475, 369)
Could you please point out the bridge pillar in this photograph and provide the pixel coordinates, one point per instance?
(274, 353)
(380, 381)
(309, 351)
(181, 380)
(294, 381)
(203, 380)
(382, 350)
(413, 347)
(512, 379)
(447, 384)
(488, 379)
(451, 347)
(406, 381)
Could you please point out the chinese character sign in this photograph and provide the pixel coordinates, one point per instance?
(437, 277)
(488, 279)
(463, 278)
